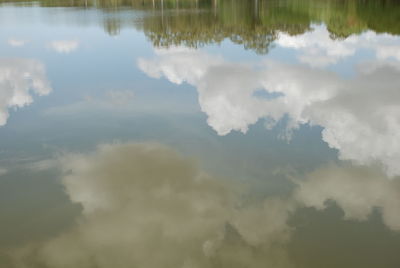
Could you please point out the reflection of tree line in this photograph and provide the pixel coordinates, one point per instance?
(235, 20)
(256, 23)
(251, 23)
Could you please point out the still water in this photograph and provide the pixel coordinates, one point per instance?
(200, 133)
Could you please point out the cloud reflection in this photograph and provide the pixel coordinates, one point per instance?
(316, 48)
(358, 191)
(18, 79)
(16, 42)
(64, 46)
(360, 116)
(144, 205)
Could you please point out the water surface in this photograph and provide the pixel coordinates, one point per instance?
(222, 133)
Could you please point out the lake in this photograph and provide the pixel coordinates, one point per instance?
(199, 133)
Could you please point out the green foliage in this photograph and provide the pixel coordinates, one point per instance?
(254, 24)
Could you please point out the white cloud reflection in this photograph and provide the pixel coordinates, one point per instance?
(64, 46)
(316, 48)
(19, 78)
(144, 205)
(358, 191)
(16, 42)
(360, 115)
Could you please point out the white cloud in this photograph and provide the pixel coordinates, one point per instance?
(360, 116)
(16, 42)
(224, 89)
(358, 191)
(18, 79)
(388, 51)
(317, 49)
(144, 205)
(64, 46)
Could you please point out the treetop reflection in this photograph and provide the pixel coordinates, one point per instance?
(254, 24)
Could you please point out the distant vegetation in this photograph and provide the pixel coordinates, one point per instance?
(251, 23)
